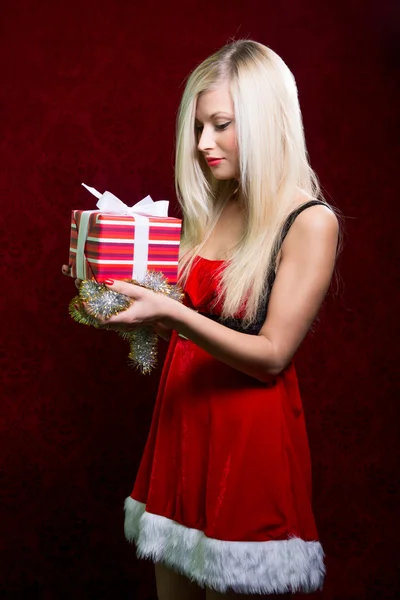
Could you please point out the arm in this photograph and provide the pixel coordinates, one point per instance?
(303, 278)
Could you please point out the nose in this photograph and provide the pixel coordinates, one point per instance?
(206, 139)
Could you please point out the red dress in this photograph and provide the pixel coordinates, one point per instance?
(223, 492)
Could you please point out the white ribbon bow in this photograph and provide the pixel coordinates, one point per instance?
(109, 203)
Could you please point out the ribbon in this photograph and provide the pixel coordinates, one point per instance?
(141, 211)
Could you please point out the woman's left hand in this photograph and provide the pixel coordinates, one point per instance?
(147, 309)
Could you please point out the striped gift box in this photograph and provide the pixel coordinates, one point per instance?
(109, 245)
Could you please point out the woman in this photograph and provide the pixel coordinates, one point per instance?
(222, 499)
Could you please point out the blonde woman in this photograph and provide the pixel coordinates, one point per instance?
(222, 499)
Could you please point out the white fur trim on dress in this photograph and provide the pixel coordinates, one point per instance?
(292, 565)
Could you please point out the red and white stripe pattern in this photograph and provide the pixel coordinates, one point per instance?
(110, 245)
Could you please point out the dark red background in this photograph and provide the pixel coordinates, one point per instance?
(89, 92)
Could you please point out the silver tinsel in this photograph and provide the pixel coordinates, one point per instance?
(143, 348)
(156, 281)
(101, 303)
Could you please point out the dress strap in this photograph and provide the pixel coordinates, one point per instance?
(287, 225)
(295, 213)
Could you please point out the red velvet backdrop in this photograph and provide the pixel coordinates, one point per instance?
(89, 92)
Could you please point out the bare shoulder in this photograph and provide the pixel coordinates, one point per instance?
(317, 217)
(315, 229)
(315, 220)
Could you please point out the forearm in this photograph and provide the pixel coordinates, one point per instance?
(251, 354)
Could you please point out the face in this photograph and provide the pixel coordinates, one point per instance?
(216, 133)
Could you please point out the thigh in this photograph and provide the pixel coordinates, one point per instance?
(174, 586)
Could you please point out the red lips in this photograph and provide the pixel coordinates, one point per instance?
(213, 161)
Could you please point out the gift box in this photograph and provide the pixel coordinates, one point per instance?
(121, 242)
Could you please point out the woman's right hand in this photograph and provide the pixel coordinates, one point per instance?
(161, 330)
(66, 270)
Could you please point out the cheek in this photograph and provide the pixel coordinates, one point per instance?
(231, 143)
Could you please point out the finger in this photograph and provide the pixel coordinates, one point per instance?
(101, 321)
(118, 319)
(66, 270)
(122, 287)
(78, 283)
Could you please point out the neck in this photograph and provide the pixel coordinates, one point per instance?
(237, 198)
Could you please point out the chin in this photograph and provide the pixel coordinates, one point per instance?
(224, 176)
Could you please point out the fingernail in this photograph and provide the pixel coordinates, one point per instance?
(109, 281)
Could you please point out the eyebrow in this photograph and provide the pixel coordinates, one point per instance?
(216, 114)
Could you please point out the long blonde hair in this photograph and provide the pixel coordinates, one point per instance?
(273, 166)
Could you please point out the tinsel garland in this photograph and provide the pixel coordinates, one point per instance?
(96, 300)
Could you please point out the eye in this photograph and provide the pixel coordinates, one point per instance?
(223, 126)
(199, 128)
